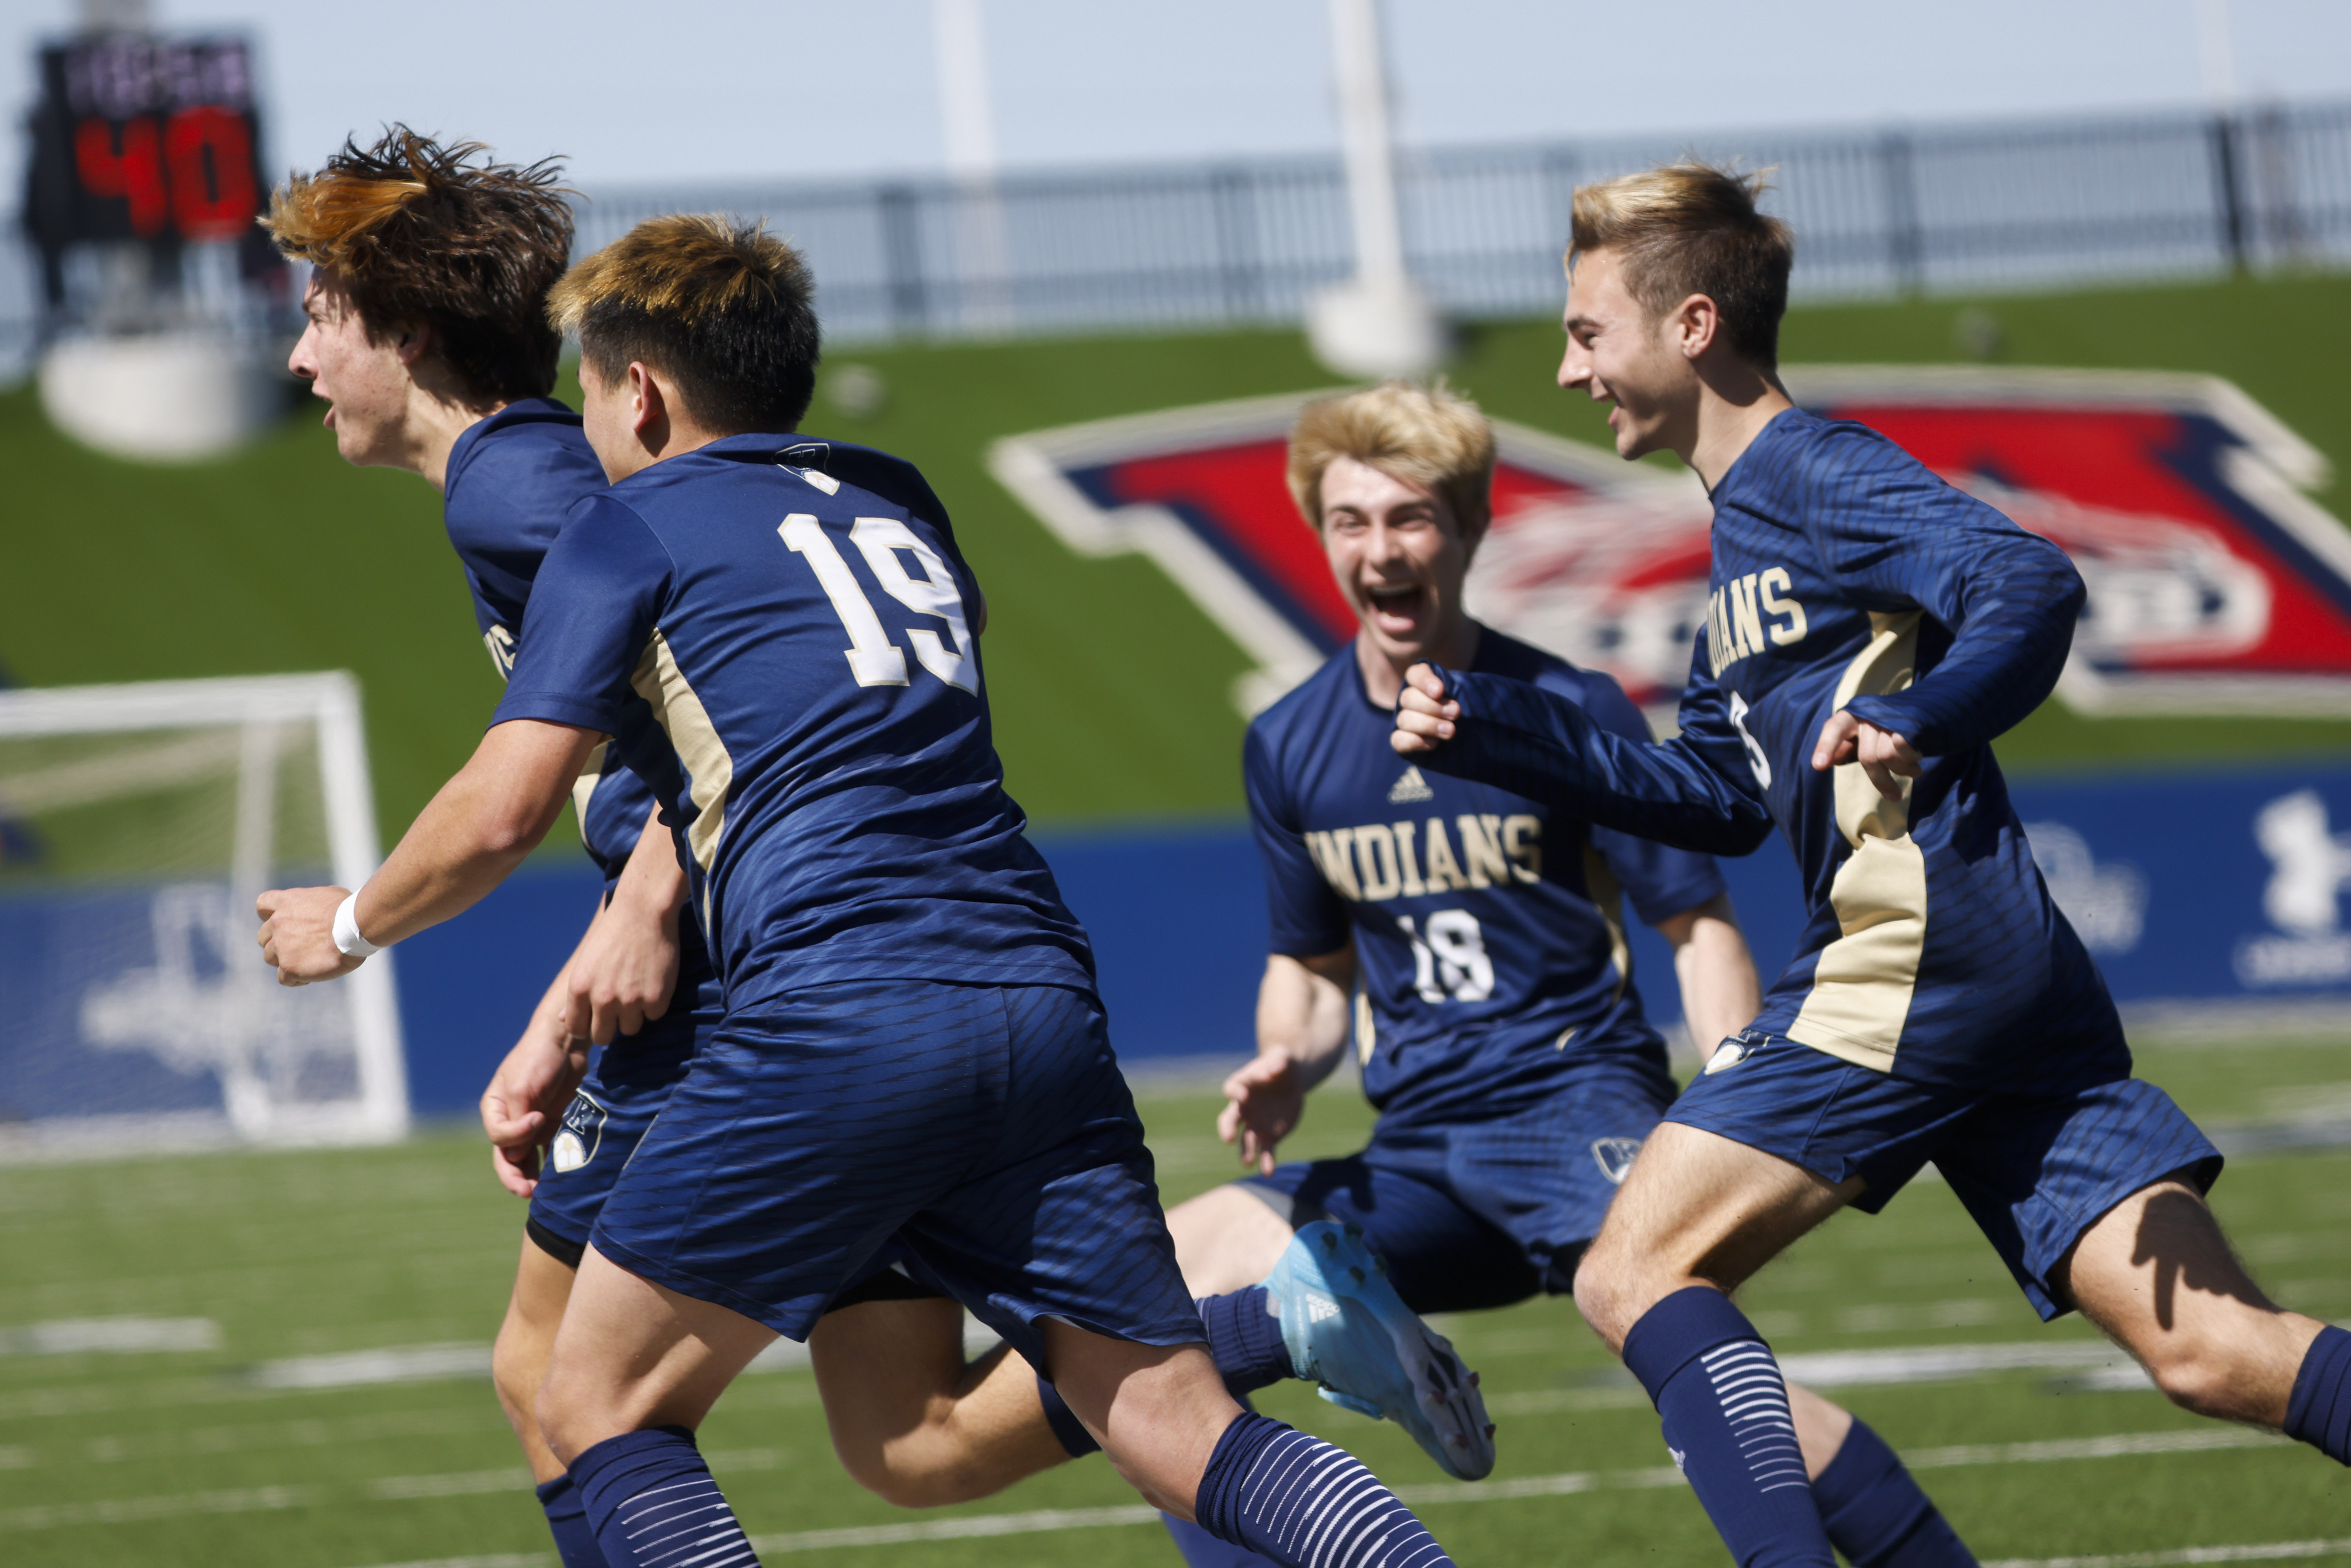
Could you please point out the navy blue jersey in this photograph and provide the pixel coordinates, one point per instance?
(1846, 575)
(511, 480)
(774, 632)
(1488, 926)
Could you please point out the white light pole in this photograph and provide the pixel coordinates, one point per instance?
(1378, 323)
(968, 128)
(2217, 54)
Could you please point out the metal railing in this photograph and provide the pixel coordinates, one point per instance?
(1931, 210)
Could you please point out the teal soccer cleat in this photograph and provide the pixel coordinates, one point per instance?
(1346, 1329)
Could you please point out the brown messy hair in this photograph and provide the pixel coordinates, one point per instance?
(1691, 229)
(724, 308)
(1425, 435)
(419, 233)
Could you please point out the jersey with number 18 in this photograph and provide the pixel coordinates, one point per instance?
(1488, 928)
(776, 634)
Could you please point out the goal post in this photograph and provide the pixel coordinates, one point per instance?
(137, 823)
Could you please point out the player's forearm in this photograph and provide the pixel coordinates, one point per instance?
(1519, 738)
(1302, 1014)
(652, 883)
(1720, 994)
(481, 825)
(2014, 628)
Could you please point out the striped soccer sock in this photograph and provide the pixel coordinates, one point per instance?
(1725, 1411)
(1876, 1512)
(1303, 1503)
(653, 1503)
(567, 1521)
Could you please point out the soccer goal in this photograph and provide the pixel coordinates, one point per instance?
(137, 825)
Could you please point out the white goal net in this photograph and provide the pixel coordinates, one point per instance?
(137, 825)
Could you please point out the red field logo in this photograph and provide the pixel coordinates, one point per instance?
(2216, 584)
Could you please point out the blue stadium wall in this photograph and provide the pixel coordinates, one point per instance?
(2192, 887)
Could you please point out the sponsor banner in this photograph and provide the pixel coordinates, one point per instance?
(2215, 584)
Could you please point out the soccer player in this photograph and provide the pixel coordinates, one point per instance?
(428, 336)
(911, 1046)
(1500, 1033)
(1872, 629)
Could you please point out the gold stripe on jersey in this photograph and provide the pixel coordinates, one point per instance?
(709, 770)
(1863, 981)
(1367, 1032)
(1607, 896)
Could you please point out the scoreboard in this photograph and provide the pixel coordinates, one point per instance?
(142, 137)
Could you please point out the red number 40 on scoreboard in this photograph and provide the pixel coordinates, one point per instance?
(140, 138)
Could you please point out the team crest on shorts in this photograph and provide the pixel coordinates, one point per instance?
(1615, 1158)
(1728, 1055)
(2215, 584)
(582, 1133)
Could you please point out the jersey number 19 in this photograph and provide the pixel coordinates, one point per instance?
(873, 659)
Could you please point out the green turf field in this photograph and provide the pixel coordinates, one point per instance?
(1110, 689)
(219, 1455)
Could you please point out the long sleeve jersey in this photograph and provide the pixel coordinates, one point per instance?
(1846, 575)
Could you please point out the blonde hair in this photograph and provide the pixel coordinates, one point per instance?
(1692, 228)
(1426, 435)
(724, 308)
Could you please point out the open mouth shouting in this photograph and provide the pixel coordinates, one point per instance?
(1402, 610)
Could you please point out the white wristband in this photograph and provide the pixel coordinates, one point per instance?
(347, 930)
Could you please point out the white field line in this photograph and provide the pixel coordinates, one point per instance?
(75, 1337)
(2262, 1552)
(134, 1509)
(361, 1368)
(1569, 1484)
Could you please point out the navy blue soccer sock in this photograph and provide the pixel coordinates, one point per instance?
(1074, 1438)
(567, 1521)
(1245, 1338)
(1297, 1500)
(2320, 1411)
(1876, 1513)
(654, 1504)
(1725, 1411)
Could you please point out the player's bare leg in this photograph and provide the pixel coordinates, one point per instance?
(1698, 1209)
(525, 1340)
(1226, 1240)
(2155, 1274)
(914, 1423)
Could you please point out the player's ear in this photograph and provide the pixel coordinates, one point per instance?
(412, 340)
(647, 407)
(1696, 323)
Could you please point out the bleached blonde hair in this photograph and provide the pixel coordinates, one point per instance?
(1426, 435)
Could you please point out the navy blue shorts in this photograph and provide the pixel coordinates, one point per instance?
(986, 1129)
(627, 1085)
(2036, 1165)
(1470, 1215)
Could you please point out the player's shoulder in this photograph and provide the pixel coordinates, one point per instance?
(1307, 708)
(514, 475)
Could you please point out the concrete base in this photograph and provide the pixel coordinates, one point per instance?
(1376, 329)
(168, 397)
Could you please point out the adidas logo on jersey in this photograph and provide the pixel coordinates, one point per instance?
(1410, 787)
(1321, 1309)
